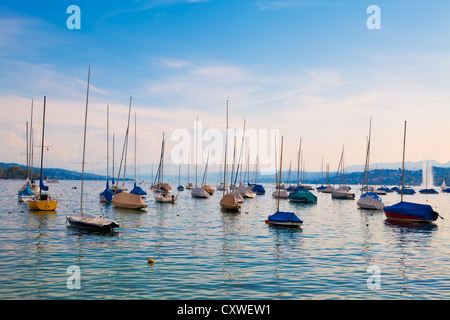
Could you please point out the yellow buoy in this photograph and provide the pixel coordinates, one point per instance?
(150, 261)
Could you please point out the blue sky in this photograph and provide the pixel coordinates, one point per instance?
(311, 69)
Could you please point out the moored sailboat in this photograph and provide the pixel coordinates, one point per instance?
(126, 200)
(281, 218)
(408, 211)
(84, 220)
(228, 201)
(42, 201)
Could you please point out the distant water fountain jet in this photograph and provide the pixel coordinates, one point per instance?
(427, 175)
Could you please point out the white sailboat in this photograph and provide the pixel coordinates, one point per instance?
(369, 200)
(343, 192)
(84, 220)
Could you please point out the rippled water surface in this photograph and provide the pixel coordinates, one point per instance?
(201, 252)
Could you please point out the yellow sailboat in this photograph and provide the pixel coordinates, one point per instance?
(43, 201)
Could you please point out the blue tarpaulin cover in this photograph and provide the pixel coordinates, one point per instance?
(417, 210)
(281, 216)
(258, 189)
(138, 190)
(107, 193)
(27, 191)
(372, 195)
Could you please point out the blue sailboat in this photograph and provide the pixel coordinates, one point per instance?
(408, 211)
(281, 218)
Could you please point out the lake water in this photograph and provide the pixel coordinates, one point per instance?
(201, 252)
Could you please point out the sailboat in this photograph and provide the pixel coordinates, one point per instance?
(42, 201)
(280, 190)
(343, 191)
(300, 194)
(228, 201)
(205, 186)
(106, 195)
(180, 186)
(136, 189)
(189, 185)
(233, 189)
(25, 194)
(29, 189)
(409, 211)
(244, 190)
(369, 200)
(84, 220)
(197, 192)
(163, 195)
(126, 200)
(280, 218)
(257, 188)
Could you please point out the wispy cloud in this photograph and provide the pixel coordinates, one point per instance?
(283, 4)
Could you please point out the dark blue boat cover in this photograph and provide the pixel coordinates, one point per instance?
(428, 191)
(299, 188)
(258, 189)
(372, 195)
(446, 190)
(107, 193)
(138, 190)
(27, 191)
(180, 187)
(281, 216)
(424, 211)
(42, 186)
(385, 189)
(395, 189)
(407, 191)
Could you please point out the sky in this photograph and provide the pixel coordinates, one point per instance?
(310, 70)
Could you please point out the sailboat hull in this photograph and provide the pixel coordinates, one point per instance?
(88, 222)
(43, 203)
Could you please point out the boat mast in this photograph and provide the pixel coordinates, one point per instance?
(298, 161)
(225, 176)
(196, 147)
(279, 178)
(403, 161)
(84, 141)
(31, 142)
(107, 143)
(124, 150)
(42, 144)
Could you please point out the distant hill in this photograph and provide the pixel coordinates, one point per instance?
(17, 171)
(409, 165)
